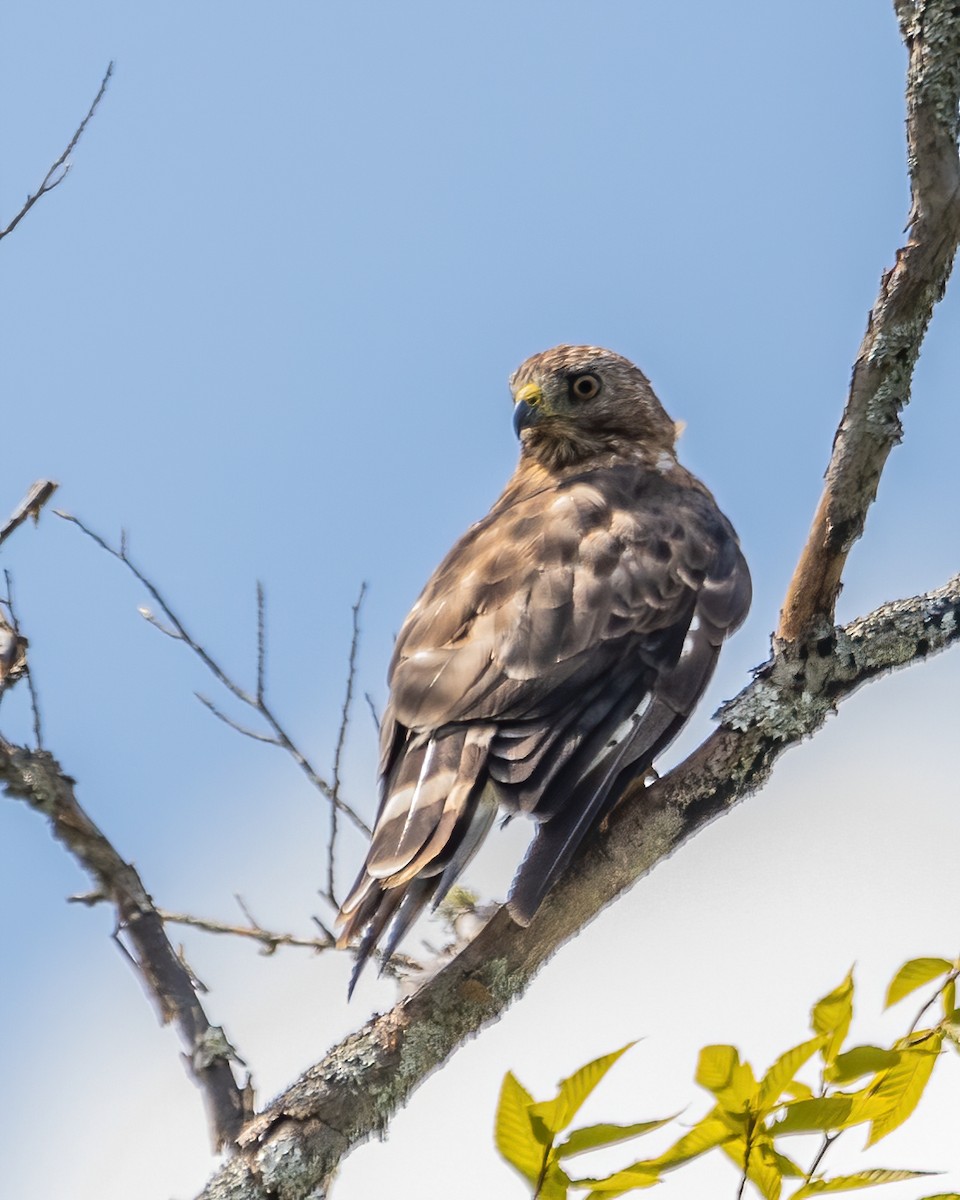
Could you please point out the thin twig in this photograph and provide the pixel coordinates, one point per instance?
(262, 646)
(52, 179)
(21, 641)
(282, 738)
(235, 725)
(342, 739)
(29, 506)
(36, 777)
(270, 939)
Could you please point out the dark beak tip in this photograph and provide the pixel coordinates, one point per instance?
(523, 415)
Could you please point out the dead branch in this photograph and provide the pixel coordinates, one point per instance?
(29, 506)
(353, 1092)
(896, 325)
(269, 939)
(257, 702)
(13, 656)
(52, 178)
(342, 739)
(36, 777)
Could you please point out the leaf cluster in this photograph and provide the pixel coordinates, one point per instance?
(749, 1118)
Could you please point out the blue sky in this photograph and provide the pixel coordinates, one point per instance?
(266, 326)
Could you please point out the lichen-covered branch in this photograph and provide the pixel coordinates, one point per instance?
(36, 777)
(883, 371)
(291, 1149)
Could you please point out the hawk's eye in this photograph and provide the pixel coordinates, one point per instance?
(585, 387)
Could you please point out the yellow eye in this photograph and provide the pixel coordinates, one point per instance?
(584, 387)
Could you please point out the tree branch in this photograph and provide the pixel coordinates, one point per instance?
(52, 179)
(882, 374)
(355, 1090)
(258, 703)
(29, 506)
(36, 777)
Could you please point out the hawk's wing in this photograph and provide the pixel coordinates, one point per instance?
(556, 650)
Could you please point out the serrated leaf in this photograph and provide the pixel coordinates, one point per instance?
(831, 1017)
(708, 1132)
(818, 1115)
(590, 1137)
(780, 1074)
(915, 974)
(715, 1066)
(557, 1114)
(761, 1165)
(900, 1088)
(630, 1180)
(555, 1184)
(948, 998)
(851, 1183)
(860, 1061)
(720, 1071)
(513, 1133)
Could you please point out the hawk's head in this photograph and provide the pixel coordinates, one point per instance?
(573, 402)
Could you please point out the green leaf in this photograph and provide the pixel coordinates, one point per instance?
(780, 1075)
(720, 1071)
(820, 1114)
(860, 1061)
(915, 974)
(555, 1184)
(592, 1136)
(513, 1133)
(831, 1017)
(850, 1183)
(557, 1114)
(629, 1180)
(948, 998)
(899, 1089)
(761, 1165)
(715, 1066)
(709, 1132)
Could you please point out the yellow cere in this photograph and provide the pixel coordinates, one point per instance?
(530, 393)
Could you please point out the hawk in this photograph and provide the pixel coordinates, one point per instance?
(557, 649)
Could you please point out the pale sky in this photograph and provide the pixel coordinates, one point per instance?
(266, 327)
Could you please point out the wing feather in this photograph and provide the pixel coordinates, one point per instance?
(557, 649)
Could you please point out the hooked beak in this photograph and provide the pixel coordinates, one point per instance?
(529, 400)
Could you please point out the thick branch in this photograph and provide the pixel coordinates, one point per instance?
(36, 777)
(354, 1091)
(896, 326)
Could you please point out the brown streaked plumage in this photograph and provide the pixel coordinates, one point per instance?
(557, 649)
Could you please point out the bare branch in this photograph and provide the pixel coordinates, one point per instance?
(882, 374)
(262, 647)
(61, 168)
(355, 1090)
(36, 777)
(20, 659)
(179, 631)
(29, 506)
(269, 939)
(235, 725)
(342, 740)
